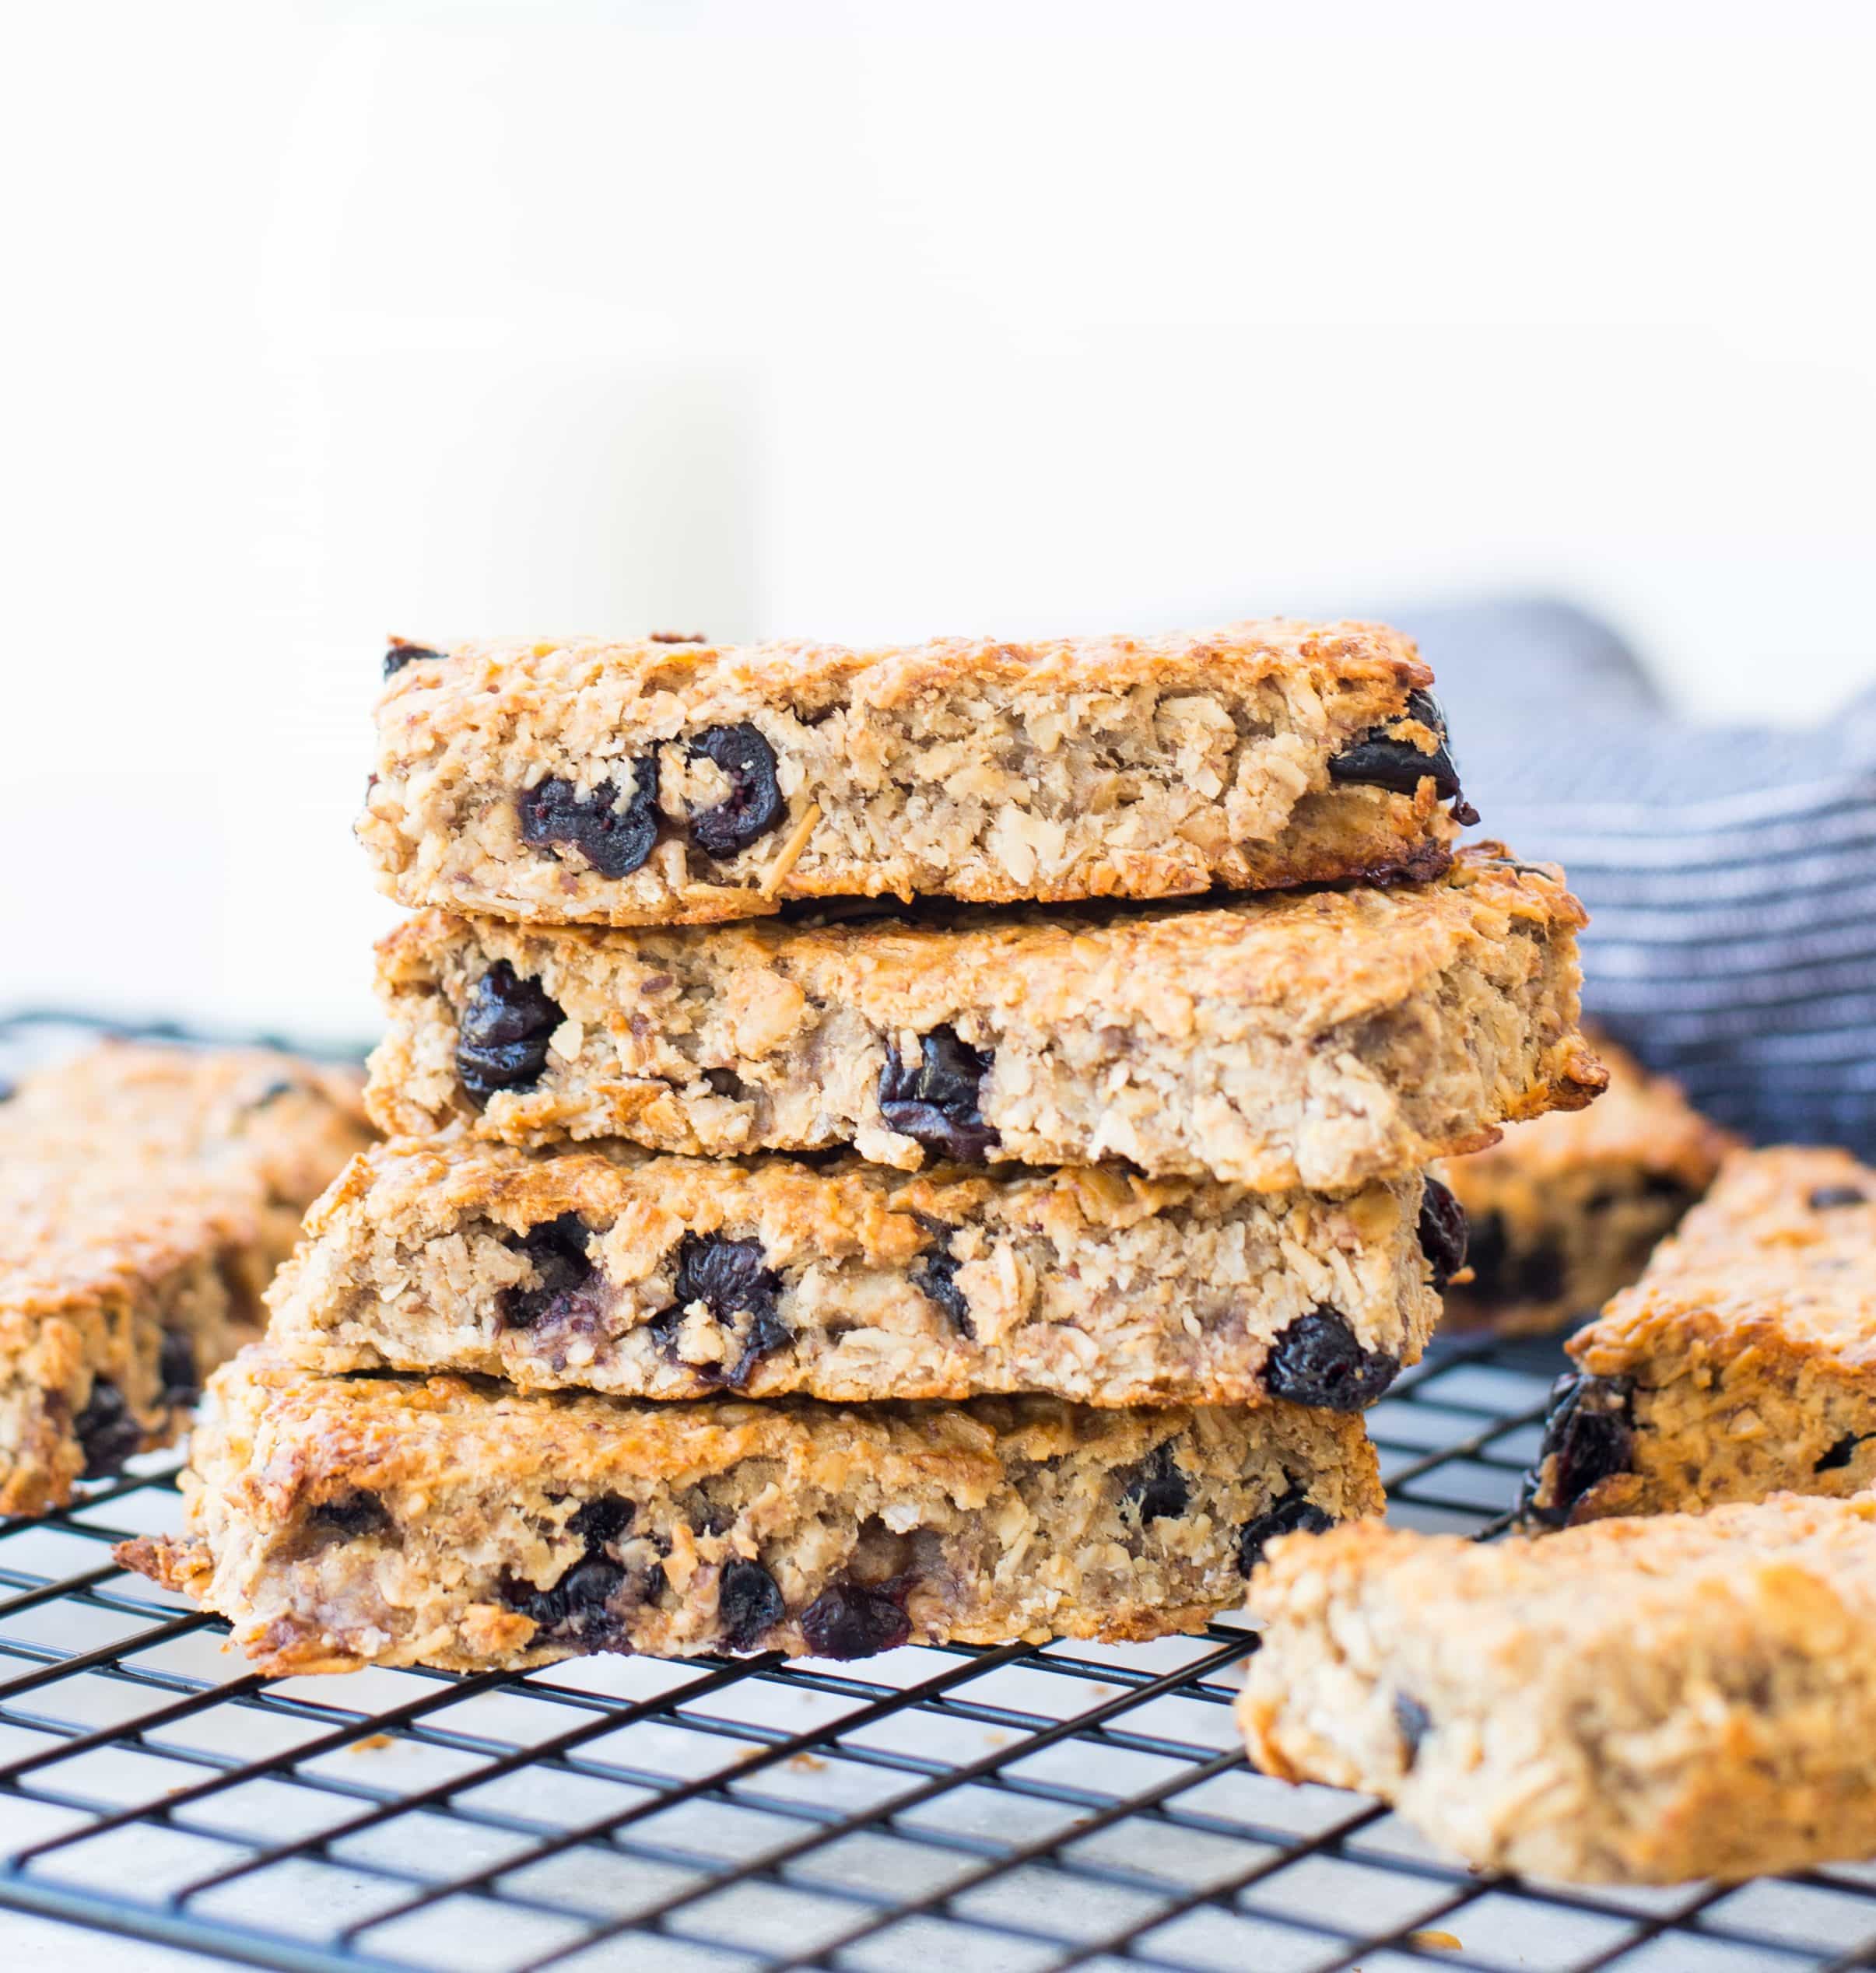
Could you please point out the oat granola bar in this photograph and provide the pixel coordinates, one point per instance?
(676, 1277)
(663, 782)
(146, 1196)
(1319, 1039)
(396, 1520)
(1566, 1209)
(1640, 1702)
(1742, 1362)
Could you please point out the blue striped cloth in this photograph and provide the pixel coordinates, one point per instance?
(1730, 872)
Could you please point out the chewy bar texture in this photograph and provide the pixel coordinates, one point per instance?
(664, 781)
(146, 1196)
(1744, 1361)
(677, 1277)
(1566, 1209)
(395, 1521)
(1319, 1040)
(1641, 1702)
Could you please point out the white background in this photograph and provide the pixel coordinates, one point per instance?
(326, 321)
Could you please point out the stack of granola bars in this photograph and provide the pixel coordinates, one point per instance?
(848, 1187)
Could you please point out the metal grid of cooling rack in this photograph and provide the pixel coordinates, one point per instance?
(1010, 1810)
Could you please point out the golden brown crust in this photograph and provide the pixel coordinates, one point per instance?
(1640, 1702)
(1744, 1361)
(1318, 1039)
(971, 768)
(146, 1194)
(713, 682)
(388, 1520)
(848, 1282)
(1565, 1210)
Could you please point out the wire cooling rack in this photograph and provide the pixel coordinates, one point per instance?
(991, 1811)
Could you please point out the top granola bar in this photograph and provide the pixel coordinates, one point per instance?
(662, 781)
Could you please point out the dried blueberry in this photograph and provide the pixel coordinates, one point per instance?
(601, 1521)
(726, 1275)
(849, 1620)
(748, 1603)
(935, 1104)
(177, 1369)
(1157, 1487)
(574, 1610)
(400, 655)
(1840, 1454)
(1587, 1439)
(614, 842)
(107, 1430)
(936, 1278)
(1294, 1513)
(1415, 1723)
(570, 1284)
(502, 1037)
(7, 1090)
(1828, 1196)
(1382, 760)
(1442, 1231)
(754, 804)
(349, 1516)
(1318, 1361)
(272, 1093)
(731, 1279)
